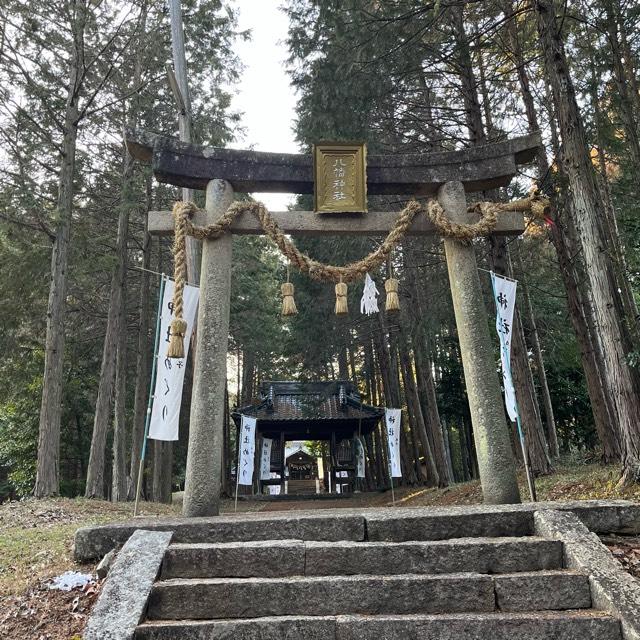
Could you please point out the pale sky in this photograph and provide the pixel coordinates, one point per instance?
(264, 95)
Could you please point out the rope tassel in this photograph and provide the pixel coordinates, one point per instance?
(341, 299)
(181, 214)
(393, 300)
(176, 338)
(288, 303)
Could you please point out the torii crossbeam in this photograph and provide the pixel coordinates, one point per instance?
(447, 175)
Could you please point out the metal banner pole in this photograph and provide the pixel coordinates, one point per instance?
(152, 385)
(235, 510)
(393, 495)
(525, 456)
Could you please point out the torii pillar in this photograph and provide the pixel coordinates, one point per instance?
(447, 174)
(493, 444)
(204, 454)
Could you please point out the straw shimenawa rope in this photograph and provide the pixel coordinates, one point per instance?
(183, 212)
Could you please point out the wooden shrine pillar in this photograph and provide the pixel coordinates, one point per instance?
(204, 455)
(493, 444)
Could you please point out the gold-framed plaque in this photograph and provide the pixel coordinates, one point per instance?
(340, 177)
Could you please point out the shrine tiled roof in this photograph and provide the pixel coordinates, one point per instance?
(313, 401)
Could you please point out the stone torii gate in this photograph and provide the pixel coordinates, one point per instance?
(447, 175)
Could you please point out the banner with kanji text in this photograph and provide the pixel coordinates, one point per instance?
(504, 293)
(393, 418)
(246, 450)
(167, 395)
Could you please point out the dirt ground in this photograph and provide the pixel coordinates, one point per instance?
(36, 541)
(626, 549)
(42, 614)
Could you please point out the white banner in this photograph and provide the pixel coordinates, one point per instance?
(265, 459)
(504, 293)
(247, 450)
(393, 419)
(167, 395)
(360, 461)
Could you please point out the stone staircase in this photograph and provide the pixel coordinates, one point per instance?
(301, 487)
(471, 577)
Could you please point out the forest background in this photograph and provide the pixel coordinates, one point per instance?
(79, 284)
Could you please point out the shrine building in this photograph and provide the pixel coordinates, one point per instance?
(333, 412)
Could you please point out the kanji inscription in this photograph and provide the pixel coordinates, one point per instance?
(340, 179)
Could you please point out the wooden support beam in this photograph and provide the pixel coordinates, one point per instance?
(307, 223)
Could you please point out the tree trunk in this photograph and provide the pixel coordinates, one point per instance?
(552, 435)
(156, 475)
(427, 391)
(102, 418)
(343, 367)
(578, 167)
(430, 473)
(597, 384)
(468, 83)
(464, 452)
(389, 369)
(619, 270)
(47, 468)
(424, 375)
(621, 80)
(248, 375)
(522, 377)
(447, 448)
(410, 463)
(119, 480)
(142, 354)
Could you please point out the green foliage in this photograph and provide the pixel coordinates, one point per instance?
(117, 39)
(19, 427)
(388, 73)
(317, 448)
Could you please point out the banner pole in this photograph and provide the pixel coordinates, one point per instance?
(525, 456)
(235, 508)
(386, 430)
(523, 443)
(154, 369)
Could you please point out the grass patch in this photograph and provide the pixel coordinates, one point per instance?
(26, 556)
(36, 536)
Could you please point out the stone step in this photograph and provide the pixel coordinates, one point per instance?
(539, 625)
(276, 558)
(301, 488)
(408, 524)
(208, 598)
(376, 524)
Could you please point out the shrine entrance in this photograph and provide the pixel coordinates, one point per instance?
(332, 412)
(302, 466)
(444, 178)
